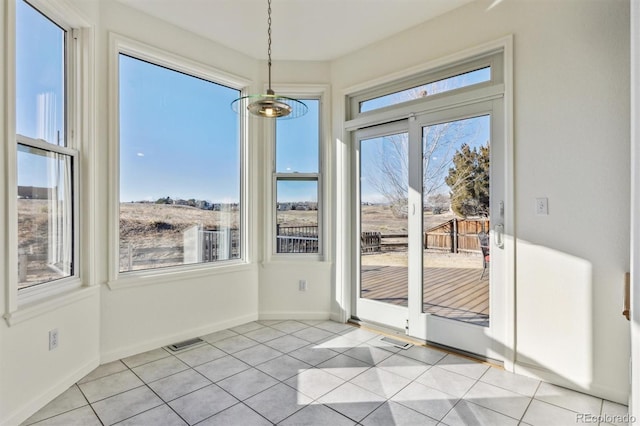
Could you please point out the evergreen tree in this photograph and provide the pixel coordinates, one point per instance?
(468, 181)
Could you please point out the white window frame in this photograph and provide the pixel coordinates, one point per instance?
(32, 301)
(489, 60)
(319, 92)
(119, 44)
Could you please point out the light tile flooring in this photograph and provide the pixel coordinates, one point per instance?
(312, 373)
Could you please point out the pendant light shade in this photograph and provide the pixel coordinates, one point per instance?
(270, 105)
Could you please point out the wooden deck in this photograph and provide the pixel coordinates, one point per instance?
(454, 293)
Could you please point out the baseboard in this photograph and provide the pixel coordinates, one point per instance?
(148, 345)
(338, 317)
(294, 315)
(541, 373)
(49, 395)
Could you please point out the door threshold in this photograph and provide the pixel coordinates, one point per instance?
(399, 334)
(481, 358)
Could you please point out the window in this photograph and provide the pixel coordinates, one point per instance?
(45, 163)
(457, 78)
(297, 182)
(439, 86)
(179, 168)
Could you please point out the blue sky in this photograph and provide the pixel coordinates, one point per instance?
(39, 73)
(178, 134)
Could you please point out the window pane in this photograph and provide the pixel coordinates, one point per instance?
(384, 196)
(40, 76)
(179, 169)
(440, 86)
(45, 216)
(297, 216)
(297, 141)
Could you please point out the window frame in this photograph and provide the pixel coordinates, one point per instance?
(75, 40)
(119, 44)
(493, 60)
(320, 93)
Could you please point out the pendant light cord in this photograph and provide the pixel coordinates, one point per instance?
(269, 42)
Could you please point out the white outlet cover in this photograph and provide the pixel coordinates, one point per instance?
(542, 206)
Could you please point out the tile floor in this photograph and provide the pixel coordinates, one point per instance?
(312, 373)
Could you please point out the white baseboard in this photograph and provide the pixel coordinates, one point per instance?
(39, 401)
(294, 315)
(620, 396)
(165, 340)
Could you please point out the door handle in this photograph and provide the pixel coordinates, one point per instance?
(498, 234)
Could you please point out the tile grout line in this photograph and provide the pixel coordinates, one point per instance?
(90, 405)
(333, 335)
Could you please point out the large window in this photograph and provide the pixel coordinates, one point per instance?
(297, 183)
(179, 168)
(45, 163)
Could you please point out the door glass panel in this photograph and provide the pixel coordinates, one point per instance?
(455, 181)
(383, 219)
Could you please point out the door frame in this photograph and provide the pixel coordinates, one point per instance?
(505, 338)
(634, 398)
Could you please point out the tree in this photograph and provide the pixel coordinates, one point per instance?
(389, 173)
(468, 181)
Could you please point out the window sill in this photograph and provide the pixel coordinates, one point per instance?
(151, 276)
(42, 306)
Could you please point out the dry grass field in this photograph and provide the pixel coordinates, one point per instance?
(148, 225)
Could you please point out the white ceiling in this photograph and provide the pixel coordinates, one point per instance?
(305, 30)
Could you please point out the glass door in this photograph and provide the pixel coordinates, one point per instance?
(382, 224)
(458, 191)
(429, 223)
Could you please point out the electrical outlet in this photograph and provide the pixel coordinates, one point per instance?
(53, 339)
(302, 285)
(542, 206)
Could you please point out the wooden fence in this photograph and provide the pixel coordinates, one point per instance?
(456, 235)
(370, 242)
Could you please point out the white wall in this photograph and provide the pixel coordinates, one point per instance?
(31, 375)
(571, 120)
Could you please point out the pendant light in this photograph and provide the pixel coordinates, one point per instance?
(270, 105)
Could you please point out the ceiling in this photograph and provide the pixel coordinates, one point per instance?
(307, 30)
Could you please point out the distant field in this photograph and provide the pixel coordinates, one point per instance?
(147, 226)
(144, 221)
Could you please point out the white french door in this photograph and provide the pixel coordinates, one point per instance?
(429, 189)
